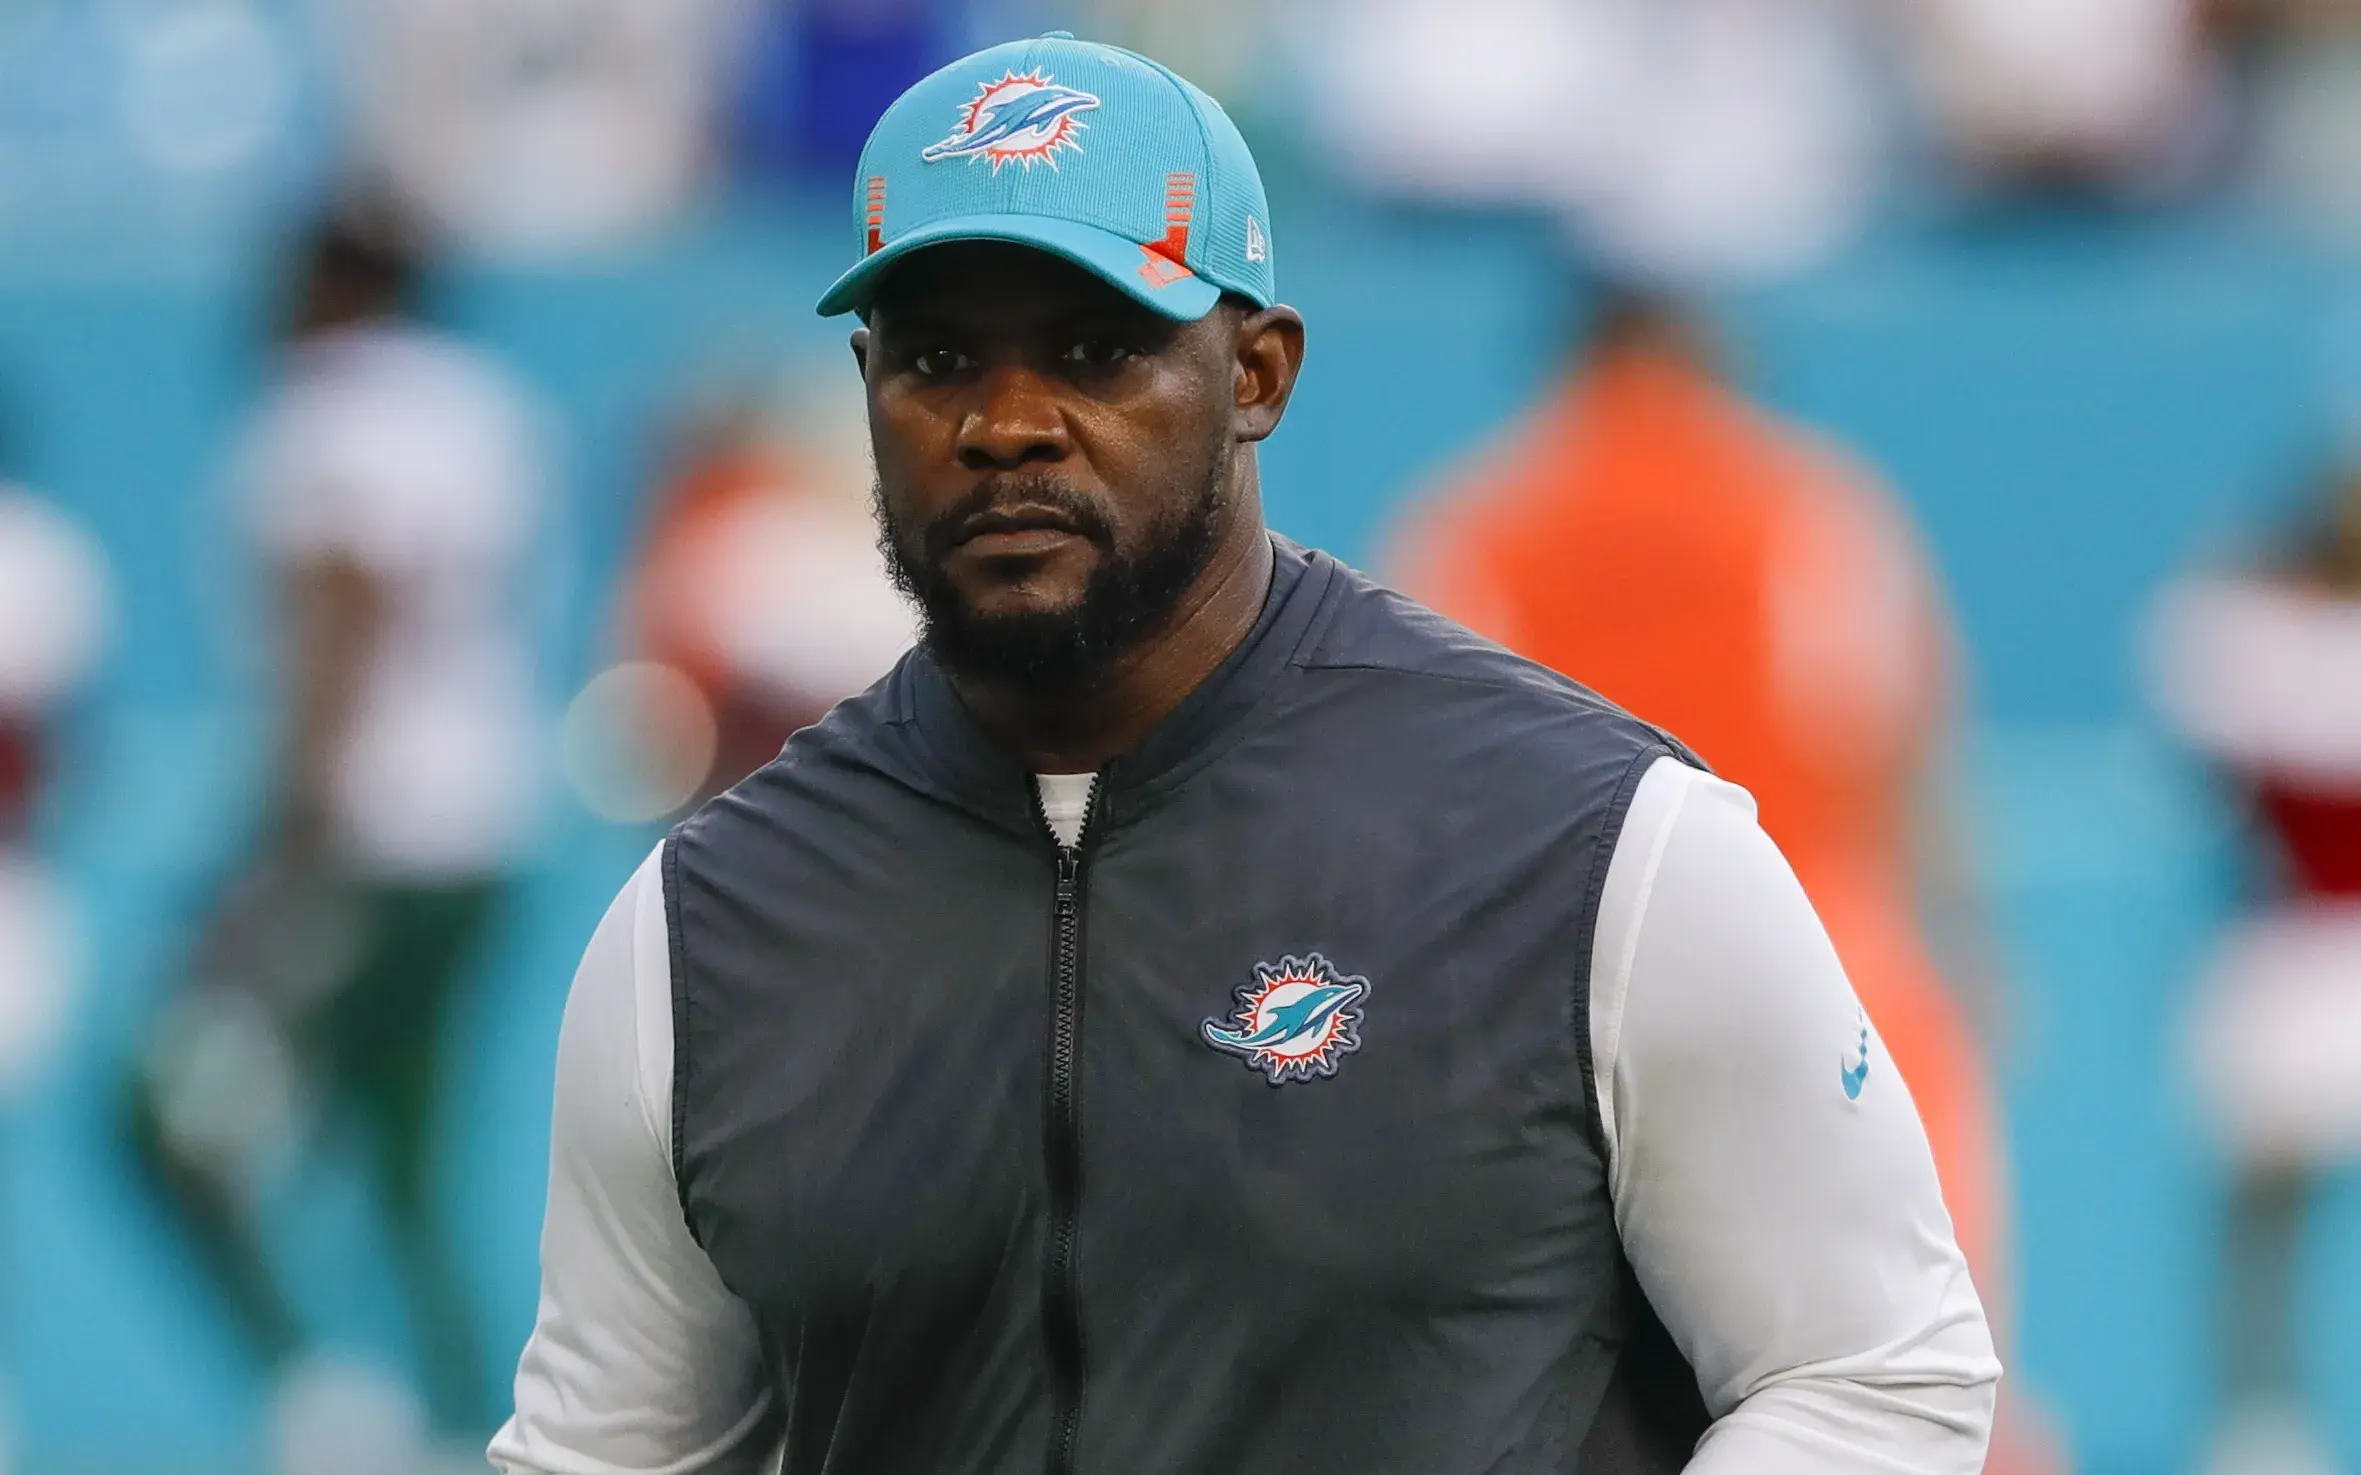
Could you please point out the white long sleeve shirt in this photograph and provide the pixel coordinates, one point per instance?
(1771, 1181)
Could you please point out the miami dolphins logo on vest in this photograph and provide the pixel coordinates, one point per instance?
(1021, 119)
(1298, 1019)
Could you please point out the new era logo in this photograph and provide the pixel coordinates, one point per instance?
(1257, 247)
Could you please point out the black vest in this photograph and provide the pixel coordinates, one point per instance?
(1256, 1134)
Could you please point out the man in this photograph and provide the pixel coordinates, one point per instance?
(55, 614)
(758, 592)
(2258, 666)
(1202, 1011)
(1697, 559)
(394, 484)
(1694, 558)
(54, 619)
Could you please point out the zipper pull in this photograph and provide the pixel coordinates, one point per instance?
(1069, 873)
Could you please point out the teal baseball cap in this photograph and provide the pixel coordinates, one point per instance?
(1088, 152)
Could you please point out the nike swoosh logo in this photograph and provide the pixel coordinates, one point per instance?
(1856, 1075)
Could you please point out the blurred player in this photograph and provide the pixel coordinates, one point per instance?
(53, 626)
(2260, 668)
(393, 483)
(759, 586)
(1695, 559)
(53, 620)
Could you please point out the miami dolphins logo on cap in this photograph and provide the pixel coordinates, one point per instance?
(1022, 119)
(1298, 1019)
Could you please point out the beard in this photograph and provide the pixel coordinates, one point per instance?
(1052, 653)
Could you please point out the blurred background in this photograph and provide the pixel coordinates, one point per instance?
(421, 475)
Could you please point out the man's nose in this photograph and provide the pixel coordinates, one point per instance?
(1014, 421)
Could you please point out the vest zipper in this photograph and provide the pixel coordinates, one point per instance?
(1061, 1313)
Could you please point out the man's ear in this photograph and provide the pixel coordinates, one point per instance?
(860, 345)
(1270, 356)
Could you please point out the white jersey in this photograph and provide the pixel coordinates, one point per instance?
(408, 453)
(53, 604)
(1772, 1186)
(54, 618)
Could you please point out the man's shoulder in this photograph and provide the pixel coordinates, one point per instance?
(824, 787)
(1406, 653)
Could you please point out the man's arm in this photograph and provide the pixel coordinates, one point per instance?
(1772, 1182)
(641, 1361)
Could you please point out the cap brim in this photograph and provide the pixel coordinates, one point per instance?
(1122, 263)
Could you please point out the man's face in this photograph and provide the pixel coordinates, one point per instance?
(1054, 460)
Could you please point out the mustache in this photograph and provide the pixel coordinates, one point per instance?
(1009, 503)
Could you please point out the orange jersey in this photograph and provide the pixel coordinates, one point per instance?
(1653, 536)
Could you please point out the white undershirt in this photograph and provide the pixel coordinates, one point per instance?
(1065, 803)
(1791, 1236)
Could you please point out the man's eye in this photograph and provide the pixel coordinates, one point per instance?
(940, 363)
(1099, 353)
